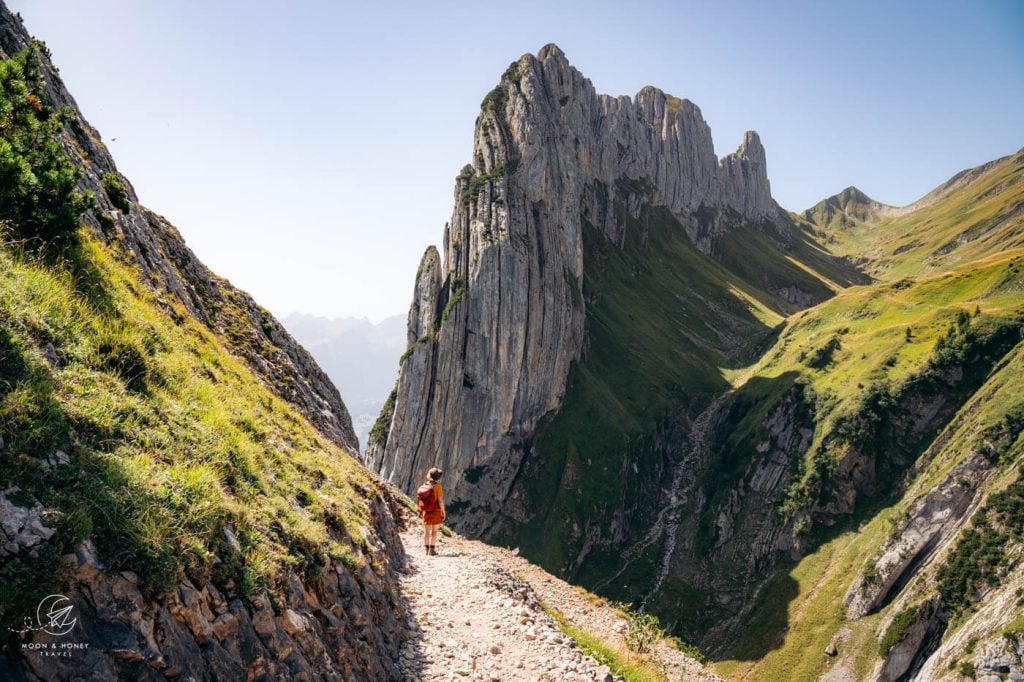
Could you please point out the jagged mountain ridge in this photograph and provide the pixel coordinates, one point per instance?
(551, 156)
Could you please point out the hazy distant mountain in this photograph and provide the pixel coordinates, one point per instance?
(360, 357)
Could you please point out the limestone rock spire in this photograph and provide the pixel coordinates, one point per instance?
(498, 319)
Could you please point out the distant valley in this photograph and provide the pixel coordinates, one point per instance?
(360, 357)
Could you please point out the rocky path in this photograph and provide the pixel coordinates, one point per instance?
(476, 615)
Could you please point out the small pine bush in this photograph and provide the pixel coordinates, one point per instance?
(38, 181)
(113, 185)
(897, 630)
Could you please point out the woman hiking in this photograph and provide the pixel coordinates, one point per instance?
(430, 498)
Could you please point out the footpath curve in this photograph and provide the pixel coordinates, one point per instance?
(483, 613)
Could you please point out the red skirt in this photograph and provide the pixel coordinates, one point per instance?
(432, 518)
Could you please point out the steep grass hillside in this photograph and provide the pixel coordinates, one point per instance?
(923, 377)
(977, 212)
(897, 512)
(165, 461)
(169, 440)
(166, 264)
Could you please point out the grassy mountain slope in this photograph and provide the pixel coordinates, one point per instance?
(169, 459)
(787, 261)
(170, 438)
(844, 211)
(872, 322)
(666, 326)
(913, 387)
(86, 169)
(978, 212)
(885, 333)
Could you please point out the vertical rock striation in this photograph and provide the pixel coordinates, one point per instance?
(497, 322)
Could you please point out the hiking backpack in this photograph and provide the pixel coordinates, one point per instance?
(426, 499)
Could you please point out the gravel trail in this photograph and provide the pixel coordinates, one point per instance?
(476, 615)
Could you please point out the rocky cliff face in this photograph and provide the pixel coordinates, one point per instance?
(169, 266)
(499, 319)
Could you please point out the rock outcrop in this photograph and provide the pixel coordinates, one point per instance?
(990, 643)
(497, 322)
(21, 528)
(933, 519)
(345, 624)
(170, 267)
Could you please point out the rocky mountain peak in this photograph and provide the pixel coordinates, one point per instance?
(546, 121)
(428, 287)
(552, 52)
(853, 195)
(663, 101)
(550, 156)
(745, 185)
(845, 209)
(751, 148)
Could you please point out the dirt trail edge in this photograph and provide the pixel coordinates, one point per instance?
(476, 614)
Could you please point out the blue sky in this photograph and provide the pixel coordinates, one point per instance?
(307, 150)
